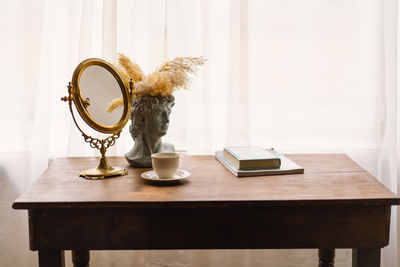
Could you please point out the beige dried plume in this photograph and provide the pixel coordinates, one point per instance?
(170, 76)
(179, 69)
(130, 68)
(115, 104)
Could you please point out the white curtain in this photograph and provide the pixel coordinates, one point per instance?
(299, 76)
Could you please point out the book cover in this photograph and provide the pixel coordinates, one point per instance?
(287, 166)
(251, 157)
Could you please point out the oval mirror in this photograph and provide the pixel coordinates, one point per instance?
(97, 83)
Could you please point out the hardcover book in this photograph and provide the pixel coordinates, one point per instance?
(287, 166)
(251, 157)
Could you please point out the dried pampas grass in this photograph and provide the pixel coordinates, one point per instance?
(179, 69)
(131, 69)
(170, 76)
(115, 104)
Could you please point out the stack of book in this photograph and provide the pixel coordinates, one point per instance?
(256, 161)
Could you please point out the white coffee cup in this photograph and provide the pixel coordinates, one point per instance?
(165, 164)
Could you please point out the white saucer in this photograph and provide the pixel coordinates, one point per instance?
(152, 176)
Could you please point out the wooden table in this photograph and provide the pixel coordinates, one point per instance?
(334, 204)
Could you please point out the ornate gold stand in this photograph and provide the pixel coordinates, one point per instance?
(104, 169)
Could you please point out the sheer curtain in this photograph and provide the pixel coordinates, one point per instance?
(299, 76)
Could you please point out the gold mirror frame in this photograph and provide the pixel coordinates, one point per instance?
(81, 103)
(104, 169)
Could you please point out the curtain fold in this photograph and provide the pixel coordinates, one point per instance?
(299, 76)
(388, 160)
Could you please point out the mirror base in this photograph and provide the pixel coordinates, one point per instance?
(99, 173)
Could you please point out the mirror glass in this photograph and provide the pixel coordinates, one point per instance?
(100, 86)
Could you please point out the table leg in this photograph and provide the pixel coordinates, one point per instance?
(80, 258)
(326, 257)
(366, 257)
(51, 258)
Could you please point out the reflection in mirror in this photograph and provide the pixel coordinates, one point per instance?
(100, 87)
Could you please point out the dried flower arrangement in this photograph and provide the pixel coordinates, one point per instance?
(172, 75)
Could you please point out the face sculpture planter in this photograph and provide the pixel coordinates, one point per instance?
(149, 122)
(152, 101)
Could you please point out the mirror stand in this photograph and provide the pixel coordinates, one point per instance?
(104, 169)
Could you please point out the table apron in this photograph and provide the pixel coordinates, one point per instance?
(210, 228)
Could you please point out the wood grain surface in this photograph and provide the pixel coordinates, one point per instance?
(328, 179)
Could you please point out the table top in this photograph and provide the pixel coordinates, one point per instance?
(328, 179)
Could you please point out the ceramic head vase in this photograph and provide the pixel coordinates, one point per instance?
(149, 122)
(152, 102)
